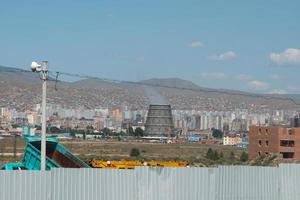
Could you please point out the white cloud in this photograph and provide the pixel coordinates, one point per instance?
(275, 76)
(287, 57)
(278, 91)
(229, 55)
(258, 85)
(293, 89)
(243, 77)
(213, 75)
(196, 44)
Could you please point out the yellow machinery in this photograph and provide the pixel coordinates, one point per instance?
(167, 164)
(115, 164)
(124, 164)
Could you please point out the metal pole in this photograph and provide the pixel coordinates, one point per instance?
(43, 135)
(15, 146)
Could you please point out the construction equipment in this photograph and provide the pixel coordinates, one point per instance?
(132, 164)
(56, 156)
(115, 164)
(167, 164)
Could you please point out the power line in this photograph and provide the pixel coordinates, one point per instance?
(182, 88)
(54, 76)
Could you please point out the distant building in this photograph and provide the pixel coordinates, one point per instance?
(138, 118)
(33, 118)
(231, 140)
(295, 121)
(117, 115)
(239, 125)
(198, 122)
(4, 112)
(194, 138)
(275, 140)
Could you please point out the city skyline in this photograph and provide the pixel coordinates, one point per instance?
(250, 46)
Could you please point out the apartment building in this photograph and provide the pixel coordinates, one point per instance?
(231, 140)
(275, 140)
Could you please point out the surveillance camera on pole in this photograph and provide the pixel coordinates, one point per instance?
(43, 69)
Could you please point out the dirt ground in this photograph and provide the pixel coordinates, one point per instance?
(98, 149)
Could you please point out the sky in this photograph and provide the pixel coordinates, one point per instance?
(243, 45)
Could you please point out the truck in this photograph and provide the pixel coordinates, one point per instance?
(56, 156)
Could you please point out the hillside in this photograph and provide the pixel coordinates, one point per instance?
(21, 89)
(171, 82)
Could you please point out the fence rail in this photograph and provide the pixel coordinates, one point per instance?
(146, 183)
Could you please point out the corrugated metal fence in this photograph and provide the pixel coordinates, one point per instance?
(145, 183)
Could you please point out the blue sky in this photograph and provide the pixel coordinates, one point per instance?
(245, 45)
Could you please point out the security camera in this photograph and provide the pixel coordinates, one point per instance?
(35, 67)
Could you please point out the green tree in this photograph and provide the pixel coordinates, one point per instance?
(73, 134)
(221, 155)
(209, 154)
(139, 132)
(216, 133)
(244, 157)
(134, 152)
(84, 135)
(54, 129)
(106, 131)
(130, 131)
(212, 155)
(216, 155)
(14, 125)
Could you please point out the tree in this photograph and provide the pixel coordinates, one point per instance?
(134, 152)
(14, 125)
(139, 132)
(130, 131)
(84, 135)
(106, 131)
(38, 127)
(216, 133)
(232, 156)
(244, 157)
(221, 155)
(54, 129)
(212, 155)
(73, 134)
(209, 153)
(89, 127)
(216, 155)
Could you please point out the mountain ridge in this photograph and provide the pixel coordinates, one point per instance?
(22, 89)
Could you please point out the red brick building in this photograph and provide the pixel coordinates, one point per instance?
(274, 140)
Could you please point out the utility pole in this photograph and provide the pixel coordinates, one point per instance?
(15, 146)
(43, 70)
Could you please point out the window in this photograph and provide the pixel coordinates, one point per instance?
(290, 132)
(267, 142)
(259, 142)
(287, 155)
(287, 143)
(267, 153)
(267, 131)
(259, 153)
(259, 131)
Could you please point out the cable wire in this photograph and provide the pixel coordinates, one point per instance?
(267, 97)
(55, 74)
